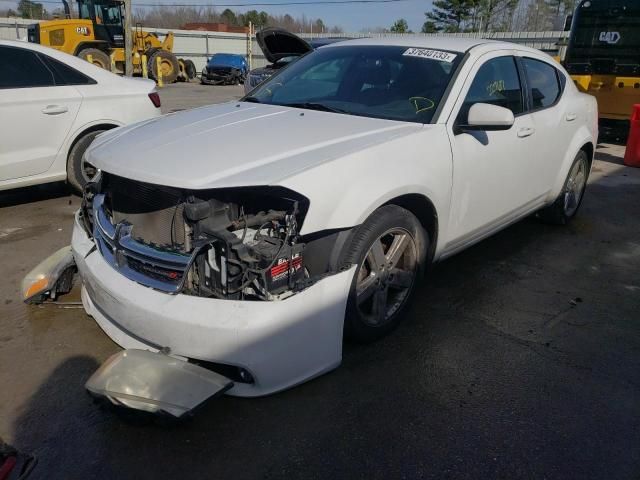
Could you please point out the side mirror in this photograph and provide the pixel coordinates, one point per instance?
(484, 116)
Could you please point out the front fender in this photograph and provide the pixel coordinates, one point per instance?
(344, 192)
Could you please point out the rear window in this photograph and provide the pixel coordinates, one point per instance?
(64, 74)
(544, 85)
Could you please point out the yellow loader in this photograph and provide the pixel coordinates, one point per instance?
(97, 35)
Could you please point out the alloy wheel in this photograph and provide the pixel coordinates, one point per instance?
(386, 276)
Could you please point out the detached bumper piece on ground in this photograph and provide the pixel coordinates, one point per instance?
(15, 465)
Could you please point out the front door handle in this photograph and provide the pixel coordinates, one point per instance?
(525, 132)
(571, 117)
(54, 109)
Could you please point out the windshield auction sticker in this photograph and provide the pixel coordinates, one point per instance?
(430, 54)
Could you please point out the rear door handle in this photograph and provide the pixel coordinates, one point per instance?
(525, 132)
(54, 110)
(571, 117)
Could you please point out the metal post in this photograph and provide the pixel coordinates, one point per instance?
(145, 73)
(250, 46)
(159, 71)
(128, 40)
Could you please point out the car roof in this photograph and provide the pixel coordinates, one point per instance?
(454, 44)
(83, 66)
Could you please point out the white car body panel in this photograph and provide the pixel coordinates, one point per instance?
(347, 167)
(37, 145)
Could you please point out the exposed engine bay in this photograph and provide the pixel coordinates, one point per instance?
(236, 243)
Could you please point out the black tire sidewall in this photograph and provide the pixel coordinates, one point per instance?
(74, 161)
(380, 221)
(555, 213)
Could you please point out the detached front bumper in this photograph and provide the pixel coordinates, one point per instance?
(280, 343)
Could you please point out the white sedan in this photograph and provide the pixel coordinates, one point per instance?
(308, 211)
(52, 105)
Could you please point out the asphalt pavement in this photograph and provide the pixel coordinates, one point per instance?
(520, 358)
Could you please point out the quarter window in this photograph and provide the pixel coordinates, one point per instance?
(497, 83)
(544, 87)
(64, 74)
(22, 68)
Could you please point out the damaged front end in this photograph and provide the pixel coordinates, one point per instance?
(238, 243)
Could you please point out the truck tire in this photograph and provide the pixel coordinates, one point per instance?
(98, 57)
(389, 250)
(79, 173)
(190, 69)
(168, 64)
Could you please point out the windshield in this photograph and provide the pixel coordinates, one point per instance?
(390, 82)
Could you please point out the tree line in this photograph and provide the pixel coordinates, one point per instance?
(453, 16)
(175, 17)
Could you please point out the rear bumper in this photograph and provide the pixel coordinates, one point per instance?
(281, 343)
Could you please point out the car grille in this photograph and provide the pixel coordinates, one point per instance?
(219, 70)
(139, 231)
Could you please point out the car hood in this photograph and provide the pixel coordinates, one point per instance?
(277, 43)
(236, 144)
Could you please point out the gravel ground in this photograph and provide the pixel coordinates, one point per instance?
(520, 358)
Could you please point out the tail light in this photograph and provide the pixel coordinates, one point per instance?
(155, 99)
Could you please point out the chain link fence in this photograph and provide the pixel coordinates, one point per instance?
(198, 46)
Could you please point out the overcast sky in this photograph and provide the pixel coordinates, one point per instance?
(352, 17)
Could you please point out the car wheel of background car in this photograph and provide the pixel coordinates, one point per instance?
(98, 57)
(390, 251)
(190, 69)
(168, 65)
(79, 172)
(566, 205)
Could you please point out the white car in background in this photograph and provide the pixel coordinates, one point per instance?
(52, 105)
(308, 210)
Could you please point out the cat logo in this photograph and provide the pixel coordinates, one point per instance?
(82, 30)
(610, 37)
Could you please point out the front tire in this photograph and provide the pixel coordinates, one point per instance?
(568, 202)
(389, 250)
(79, 173)
(168, 65)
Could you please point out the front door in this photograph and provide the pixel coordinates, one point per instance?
(491, 169)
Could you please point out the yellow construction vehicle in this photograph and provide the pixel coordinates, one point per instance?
(603, 57)
(97, 35)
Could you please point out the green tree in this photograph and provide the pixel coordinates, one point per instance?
(429, 27)
(399, 26)
(228, 17)
(29, 9)
(450, 15)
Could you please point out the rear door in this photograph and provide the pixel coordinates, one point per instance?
(492, 170)
(36, 113)
(553, 118)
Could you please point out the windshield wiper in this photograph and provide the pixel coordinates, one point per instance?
(251, 100)
(314, 106)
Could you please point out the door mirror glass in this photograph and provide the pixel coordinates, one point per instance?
(484, 116)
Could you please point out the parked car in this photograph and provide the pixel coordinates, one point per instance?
(224, 69)
(241, 270)
(53, 106)
(281, 47)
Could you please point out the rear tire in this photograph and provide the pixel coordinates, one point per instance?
(98, 57)
(168, 64)
(389, 249)
(80, 173)
(568, 202)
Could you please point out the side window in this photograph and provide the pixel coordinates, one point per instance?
(544, 87)
(64, 74)
(22, 68)
(498, 83)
